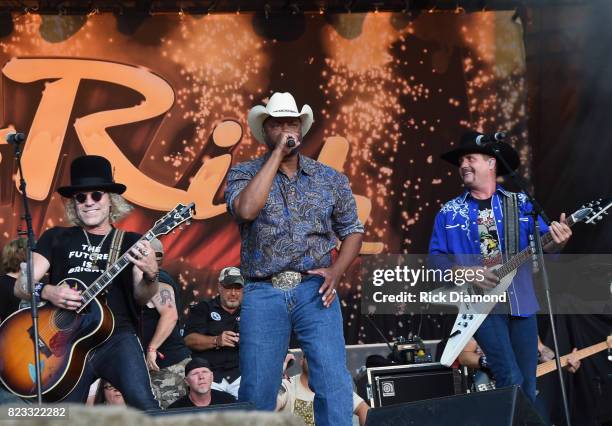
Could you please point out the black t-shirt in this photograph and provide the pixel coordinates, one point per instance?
(173, 348)
(70, 256)
(216, 397)
(9, 303)
(210, 319)
(487, 231)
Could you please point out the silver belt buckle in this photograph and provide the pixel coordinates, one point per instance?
(286, 280)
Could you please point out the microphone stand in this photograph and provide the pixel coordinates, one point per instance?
(31, 246)
(535, 212)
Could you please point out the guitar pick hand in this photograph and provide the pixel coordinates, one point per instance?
(62, 296)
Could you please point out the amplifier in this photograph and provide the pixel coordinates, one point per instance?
(414, 382)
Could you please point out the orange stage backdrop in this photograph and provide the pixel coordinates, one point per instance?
(165, 99)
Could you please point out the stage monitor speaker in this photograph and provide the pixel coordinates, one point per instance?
(412, 382)
(500, 407)
(245, 406)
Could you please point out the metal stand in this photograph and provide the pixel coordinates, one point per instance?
(31, 246)
(539, 211)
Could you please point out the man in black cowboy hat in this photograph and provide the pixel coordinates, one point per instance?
(472, 228)
(93, 204)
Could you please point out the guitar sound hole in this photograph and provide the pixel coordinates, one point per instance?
(63, 319)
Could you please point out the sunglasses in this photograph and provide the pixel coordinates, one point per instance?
(81, 197)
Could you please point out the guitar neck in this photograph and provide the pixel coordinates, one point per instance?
(526, 253)
(109, 275)
(550, 366)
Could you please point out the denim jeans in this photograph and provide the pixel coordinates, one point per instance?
(6, 397)
(267, 317)
(120, 360)
(511, 346)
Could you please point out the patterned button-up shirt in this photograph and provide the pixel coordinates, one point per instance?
(456, 232)
(297, 228)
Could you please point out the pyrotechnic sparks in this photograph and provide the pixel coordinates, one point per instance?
(400, 97)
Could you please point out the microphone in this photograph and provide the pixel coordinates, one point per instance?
(290, 141)
(483, 140)
(15, 138)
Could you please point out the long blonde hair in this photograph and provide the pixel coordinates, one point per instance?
(119, 208)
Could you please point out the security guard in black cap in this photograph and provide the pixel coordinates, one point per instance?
(212, 331)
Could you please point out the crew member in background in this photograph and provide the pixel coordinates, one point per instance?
(212, 331)
(166, 353)
(13, 253)
(199, 379)
(297, 398)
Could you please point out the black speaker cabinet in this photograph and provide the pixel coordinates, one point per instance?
(500, 407)
(405, 383)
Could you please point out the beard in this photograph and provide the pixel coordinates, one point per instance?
(231, 304)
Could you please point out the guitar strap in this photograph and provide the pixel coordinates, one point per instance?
(115, 248)
(511, 226)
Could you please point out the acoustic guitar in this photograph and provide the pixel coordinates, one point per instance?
(66, 336)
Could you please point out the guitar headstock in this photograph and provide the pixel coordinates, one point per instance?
(597, 209)
(180, 214)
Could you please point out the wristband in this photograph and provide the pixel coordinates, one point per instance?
(38, 288)
(153, 279)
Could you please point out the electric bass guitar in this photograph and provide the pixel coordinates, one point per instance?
(66, 336)
(472, 314)
(483, 382)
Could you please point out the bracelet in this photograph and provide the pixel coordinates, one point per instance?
(153, 279)
(38, 287)
(217, 345)
(151, 349)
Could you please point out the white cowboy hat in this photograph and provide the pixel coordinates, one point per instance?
(279, 105)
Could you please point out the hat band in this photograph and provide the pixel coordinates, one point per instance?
(285, 110)
(91, 182)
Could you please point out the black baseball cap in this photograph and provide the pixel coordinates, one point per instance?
(196, 363)
(231, 275)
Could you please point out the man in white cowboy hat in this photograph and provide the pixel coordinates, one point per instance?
(93, 203)
(291, 210)
(475, 229)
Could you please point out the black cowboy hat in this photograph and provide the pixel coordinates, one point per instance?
(91, 172)
(467, 145)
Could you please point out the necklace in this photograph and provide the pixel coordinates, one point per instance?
(96, 255)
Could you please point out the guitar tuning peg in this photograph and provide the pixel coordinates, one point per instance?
(188, 222)
(181, 227)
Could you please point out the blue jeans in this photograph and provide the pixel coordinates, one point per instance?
(6, 397)
(267, 317)
(511, 346)
(120, 360)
